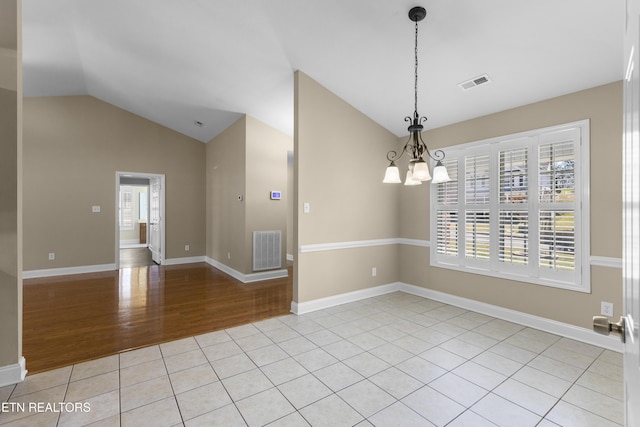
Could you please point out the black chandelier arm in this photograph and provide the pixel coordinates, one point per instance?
(392, 155)
(438, 155)
(415, 120)
(408, 147)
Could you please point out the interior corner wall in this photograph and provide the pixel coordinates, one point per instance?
(225, 195)
(73, 146)
(603, 106)
(266, 171)
(10, 194)
(340, 158)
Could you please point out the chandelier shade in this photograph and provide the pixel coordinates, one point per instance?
(392, 174)
(415, 147)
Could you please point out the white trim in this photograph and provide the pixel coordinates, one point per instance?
(247, 278)
(605, 261)
(131, 243)
(600, 261)
(13, 374)
(322, 303)
(414, 242)
(319, 247)
(187, 260)
(48, 272)
(554, 327)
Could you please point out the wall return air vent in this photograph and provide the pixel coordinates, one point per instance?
(476, 81)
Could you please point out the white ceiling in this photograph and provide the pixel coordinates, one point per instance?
(180, 61)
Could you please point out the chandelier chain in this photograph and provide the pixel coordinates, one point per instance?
(415, 87)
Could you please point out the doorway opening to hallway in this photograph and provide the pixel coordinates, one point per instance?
(140, 231)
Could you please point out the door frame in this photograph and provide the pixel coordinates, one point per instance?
(122, 174)
(631, 222)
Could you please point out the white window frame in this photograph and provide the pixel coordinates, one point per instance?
(577, 280)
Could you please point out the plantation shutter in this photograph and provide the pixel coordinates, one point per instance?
(557, 215)
(513, 216)
(447, 217)
(517, 208)
(477, 214)
(126, 208)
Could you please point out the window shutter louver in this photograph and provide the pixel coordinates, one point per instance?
(447, 233)
(477, 234)
(477, 179)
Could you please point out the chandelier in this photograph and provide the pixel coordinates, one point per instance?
(415, 147)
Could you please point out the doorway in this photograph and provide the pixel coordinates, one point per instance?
(139, 219)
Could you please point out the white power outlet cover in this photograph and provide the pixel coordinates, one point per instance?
(606, 308)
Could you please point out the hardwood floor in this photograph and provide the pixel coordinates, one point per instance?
(69, 319)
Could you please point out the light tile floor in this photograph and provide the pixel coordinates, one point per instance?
(393, 360)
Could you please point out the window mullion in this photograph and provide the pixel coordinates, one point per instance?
(462, 206)
(534, 208)
(494, 184)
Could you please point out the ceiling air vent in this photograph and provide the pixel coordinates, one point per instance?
(476, 81)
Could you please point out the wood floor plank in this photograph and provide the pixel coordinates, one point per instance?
(70, 319)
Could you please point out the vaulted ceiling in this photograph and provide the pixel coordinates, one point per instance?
(178, 62)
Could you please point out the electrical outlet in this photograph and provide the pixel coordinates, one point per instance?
(228, 255)
(186, 248)
(606, 308)
(374, 272)
(52, 256)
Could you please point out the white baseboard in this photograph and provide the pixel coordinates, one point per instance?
(547, 325)
(188, 260)
(13, 374)
(244, 278)
(248, 278)
(32, 274)
(321, 303)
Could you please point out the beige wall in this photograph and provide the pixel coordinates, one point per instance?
(73, 147)
(266, 164)
(225, 183)
(603, 106)
(340, 160)
(10, 187)
(248, 159)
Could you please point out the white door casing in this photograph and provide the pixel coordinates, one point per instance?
(631, 213)
(155, 219)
